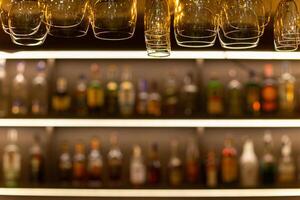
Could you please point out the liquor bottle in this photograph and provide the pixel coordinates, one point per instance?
(234, 95)
(115, 161)
(189, 95)
(192, 165)
(287, 90)
(142, 98)
(126, 94)
(111, 93)
(286, 164)
(252, 95)
(170, 95)
(137, 168)
(61, 100)
(95, 91)
(79, 165)
(80, 96)
(154, 166)
(175, 168)
(36, 162)
(211, 170)
(3, 89)
(65, 164)
(154, 101)
(214, 97)
(95, 163)
(39, 94)
(268, 162)
(269, 91)
(19, 98)
(12, 160)
(229, 163)
(249, 167)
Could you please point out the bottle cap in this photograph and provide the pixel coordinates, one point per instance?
(12, 135)
(41, 66)
(21, 67)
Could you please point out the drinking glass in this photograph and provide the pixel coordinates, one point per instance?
(195, 23)
(157, 28)
(25, 21)
(4, 9)
(114, 19)
(67, 18)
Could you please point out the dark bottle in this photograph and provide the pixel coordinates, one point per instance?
(36, 162)
(111, 91)
(65, 164)
(269, 91)
(252, 95)
(175, 168)
(61, 100)
(215, 97)
(95, 91)
(154, 101)
(170, 95)
(189, 95)
(211, 170)
(234, 95)
(79, 165)
(229, 163)
(95, 163)
(154, 166)
(192, 165)
(115, 161)
(268, 162)
(142, 98)
(80, 95)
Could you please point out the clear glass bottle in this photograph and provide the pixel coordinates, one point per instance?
(127, 94)
(142, 98)
(65, 164)
(249, 168)
(175, 167)
(39, 92)
(229, 163)
(95, 91)
(211, 170)
(36, 165)
(170, 95)
(79, 165)
(234, 95)
(12, 160)
(111, 93)
(192, 165)
(137, 168)
(19, 92)
(214, 97)
(95, 163)
(154, 101)
(154, 165)
(3, 89)
(115, 161)
(61, 99)
(80, 96)
(252, 95)
(189, 95)
(287, 91)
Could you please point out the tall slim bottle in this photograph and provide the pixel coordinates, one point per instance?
(115, 161)
(79, 165)
(37, 170)
(192, 165)
(95, 163)
(111, 93)
(126, 94)
(234, 95)
(211, 166)
(80, 96)
(19, 92)
(39, 92)
(12, 160)
(171, 95)
(214, 97)
(175, 166)
(154, 166)
(189, 95)
(252, 95)
(137, 168)
(61, 99)
(3, 89)
(142, 97)
(65, 164)
(154, 101)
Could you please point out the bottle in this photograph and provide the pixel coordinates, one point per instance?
(39, 94)
(12, 160)
(192, 165)
(175, 168)
(154, 101)
(189, 95)
(137, 168)
(252, 95)
(65, 164)
(80, 96)
(234, 95)
(229, 163)
(3, 89)
(286, 165)
(214, 97)
(115, 161)
(287, 91)
(249, 165)
(36, 164)
(154, 166)
(142, 98)
(268, 162)
(170, 95)
(111, 93)
(126, 94)
(95, 163)
(19, 93)
(79, 165)
(95, 91)
(269, 91)
(211, 170)
(61, 100)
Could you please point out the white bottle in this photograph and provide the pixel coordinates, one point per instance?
(249, 165)
(137, 171)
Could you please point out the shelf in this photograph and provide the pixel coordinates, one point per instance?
(144, 193)
(155, 123)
